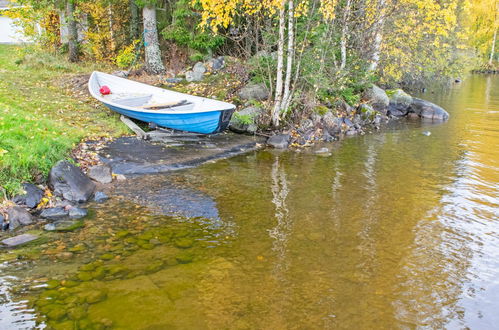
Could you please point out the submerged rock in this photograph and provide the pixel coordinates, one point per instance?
(64, 225)
(69, 182)
(279, 141)
(18, 216)
(377, 98)
(428, 110)
(77, 213)
(258, 92)
(19, 240)
(100, 197)
(31, 197)
(54, 213)
(100, 173)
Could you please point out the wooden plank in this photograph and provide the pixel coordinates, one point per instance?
(136, 129)
(164, 105)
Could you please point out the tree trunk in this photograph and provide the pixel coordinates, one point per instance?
(154, 65)
(492, 51)
(134, 21)
(280, 66)
(290, 55)
(378, 37)
(72, 31)
(344, 35)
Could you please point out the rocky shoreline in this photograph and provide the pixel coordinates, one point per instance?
(334, 121)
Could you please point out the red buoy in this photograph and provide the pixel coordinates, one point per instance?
(104, 90)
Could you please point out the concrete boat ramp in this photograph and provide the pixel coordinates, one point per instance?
(164, 152)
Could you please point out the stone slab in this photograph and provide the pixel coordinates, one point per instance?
(129, 155)
(19, 240)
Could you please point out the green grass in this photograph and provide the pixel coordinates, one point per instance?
(41, 122)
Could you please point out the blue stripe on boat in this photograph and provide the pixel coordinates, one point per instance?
(200, 122)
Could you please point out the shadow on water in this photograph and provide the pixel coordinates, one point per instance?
(397, 229)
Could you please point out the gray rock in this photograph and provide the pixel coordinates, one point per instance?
(19, 240)
(254, 92)
(396, 113)
(100, 197)
(69, 182)
(54, 213)
(77, 213)
(18, 216)
(331, 123)
(191, 76)
(316, 118)
(174, 80)
(307, 124)
(377, 98)
(428, 110)
(245, 121)
(218, 63)
(279, 141)
(31, 197)
(100, 173)
(64, 225)
(199, 68)
(121, 74)
(343, 106)
(3, 225)
(322, 151)
(348, 123)
(366, 112)
(399, 102)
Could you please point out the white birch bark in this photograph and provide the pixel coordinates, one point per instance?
(280, 66)
(492, 51)
(378, 37)
(290, 56)
(154, 65)
(344, 35)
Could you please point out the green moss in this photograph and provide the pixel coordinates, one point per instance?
(185, 257)
(321, 110)
(52, 284)
(95, 296)
(184, 243)
(107, 256)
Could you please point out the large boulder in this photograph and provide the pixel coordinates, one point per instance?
(258, 92)
(245, 121)
(18, 216)
(428, 110)
(399, 102)
(191, 76)
(377, 98)
(31, 197)
(331, 124)
(279, 141)
(100, 173)
(69, 182)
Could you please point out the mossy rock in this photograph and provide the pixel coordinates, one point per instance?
(78, 248)
(85, 276)
(69, 283)
(99, 273)
(107, 256)
(56, 313)
(53, 294)
(154, 267)
(184, 257)
(116, 270)
(123, 233)
(183, 243)
(321, 110)
(94, 296)
(117, 247)
(77, 313)
(131, 240)
(145, 236)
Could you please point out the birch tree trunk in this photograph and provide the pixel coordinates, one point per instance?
(154, 65)
(290, 55)
(493, 50)
(280, 65)
(134, 21)
(378, 37)
(344, 34)
(72, 31)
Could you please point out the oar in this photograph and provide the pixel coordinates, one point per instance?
(164, 105)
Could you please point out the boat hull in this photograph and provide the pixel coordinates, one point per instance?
(202, 122)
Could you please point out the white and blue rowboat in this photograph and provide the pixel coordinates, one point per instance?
(163, 107)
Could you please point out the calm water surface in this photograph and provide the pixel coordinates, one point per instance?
(393, 230)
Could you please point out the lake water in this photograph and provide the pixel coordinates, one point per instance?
(396, 229)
